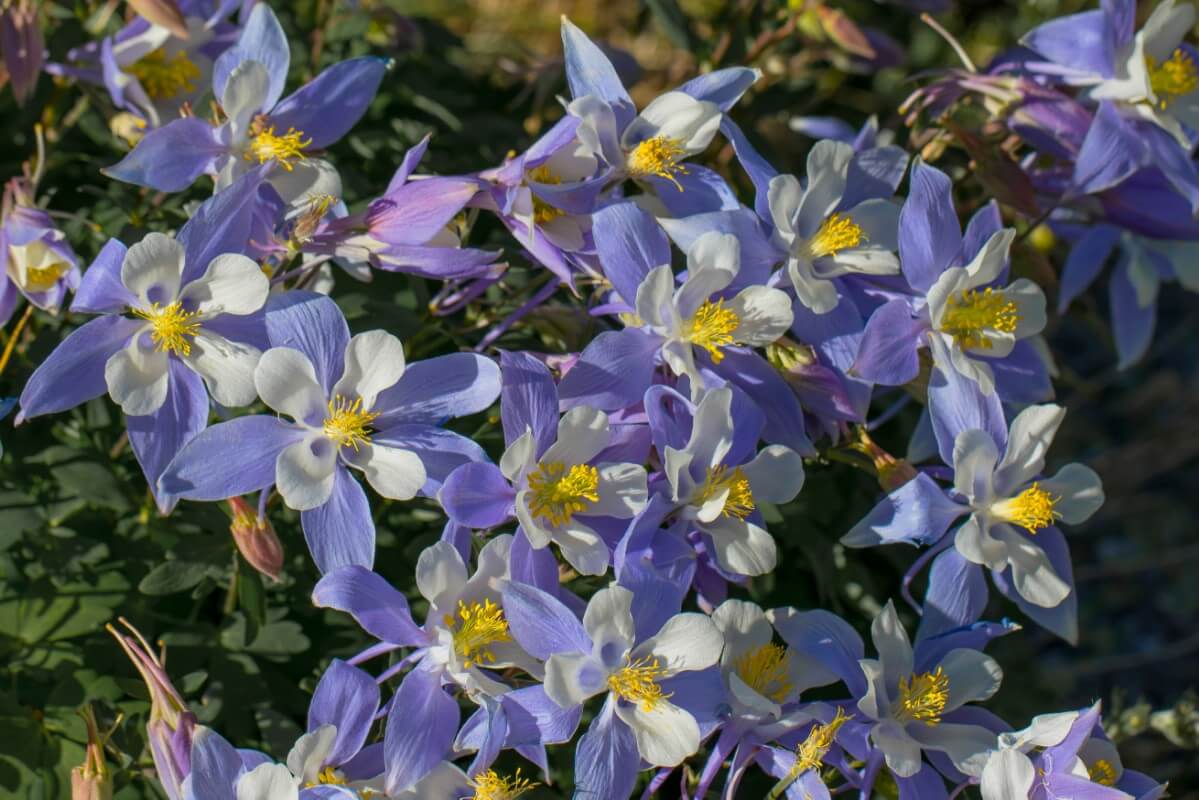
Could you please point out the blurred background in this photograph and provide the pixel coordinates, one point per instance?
(81, 544)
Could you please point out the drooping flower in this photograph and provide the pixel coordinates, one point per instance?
(38, 262)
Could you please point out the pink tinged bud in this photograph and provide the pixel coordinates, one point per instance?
(163, 13)
(256, 539)
(92, 780)
(171, 723)
(23, 48)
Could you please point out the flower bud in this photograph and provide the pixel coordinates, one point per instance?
(892, 472)
(164, 13)
(256, 539)
(22, 46)
(91, 780)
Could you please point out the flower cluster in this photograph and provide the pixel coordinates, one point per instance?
(592, 570)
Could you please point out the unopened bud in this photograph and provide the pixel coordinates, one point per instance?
(892, 472)
(164, 13)
(256, 539)
(91, 780)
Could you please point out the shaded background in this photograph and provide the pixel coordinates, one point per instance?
(80, 542)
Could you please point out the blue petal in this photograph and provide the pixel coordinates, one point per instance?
(890, 348)
(262, 40)
(629, 244)
(1111, 151)
(956, 596)
(348, 87)
(588, 70)
(420, 730)
(919, 512)
(929, 236)
(528, 400)
(170, 158)
(477, 496)
(1084, 42)
(1132, 324)
(157, 438)
(374, 604)
(229, 459)
(1085, 260)
(723, 87)
(341, 532)
(100, 290)
(541, 625)
(434, 390)
(606, 760)
(957, 404)
(613, 371)
(313, 324)
(74, 372)
(347, 698)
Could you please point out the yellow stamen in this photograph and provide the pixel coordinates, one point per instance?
(811, 752)
(266, 146)
(922, 697)
(1103, 773)
(477, 627)
(557, 494)
(658, 156)
(1032, 509)
(838, 232)
(348, 424)
(170, 327)
(1173, 78)
(329, 777)
(766, 670)
(165, 77)
(972, 314)
(637, 682)
(712, 328)
(42, 279)
(543, 212)
(490, 786)
(739, 502)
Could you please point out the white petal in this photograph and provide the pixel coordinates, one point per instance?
(743, 625)
(763, 315)
(950, 283)
(622, 491)
(391, 471)
(520, 456)
(666, 734)
(817, 294)
(608, 620)
(783, 194)
(308, 755)
(974, 459)
(901, 750)
(1030, 307)
(893, 646)
(137, 376)
(863, 260)
(582, 547)
(679, 116)
(966, 745)
(286, 381)
(828, 169)
(977, 545)
(152, 268)
(1079, 491)
(1166, 28)
(712, 263)
(304, 472)
(268, 782)
(232, 284)
(879, 220)
(876, 701)
(1028, 441)
(245, 95)
(570, 678)
(582, 434)
(538, 534)
(308, 180)
(686, 642)
(441, 576)
(711, 429)
(741, 547)
(1032, 572)
(972, 675)
(655, 297)
(988, 262)
(374, 361)
(775, 475)
(1008, 775)
(227, 368)
(1045, 730)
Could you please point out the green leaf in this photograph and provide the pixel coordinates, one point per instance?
(170, 577)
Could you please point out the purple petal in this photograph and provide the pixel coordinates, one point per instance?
(420, 730)
(215, 767)
(341, 532)
(874, 173)
(537, 568)
(1111, 151)
(477, 496)
(723, 87)
(890, 349)
(613, 371)
(229, 459)
(417, 211)
(1084, 262)
(760, 170)
(704, 190)
(408, 165)
(541, 624)
(956, 596)
(782, 416)
(1062, 619)
(630, 244)
(222, 224)
(533, 718)
(74, 372)
(956, 404)
(374, 604)
(440, 451)
(346, 698)
(436, 263)
(157, 438)
(828, 639)
(314, 325)
(262, 40)
(1022, 376)
(1132, 324)
(1082, 42)
(528, 400)
(606, 761)
(348, 86)
(437, 389)
(170, 158)
(929, 236)
(588, 70)
(100, 290)
(919, 512)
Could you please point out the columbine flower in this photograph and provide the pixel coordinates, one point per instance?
(38, 262)
(821, 238)
(353, 403)
(645, 714)
(911, 702)
(259, 129)
(717, 485)
(177, 316)
(972, 322)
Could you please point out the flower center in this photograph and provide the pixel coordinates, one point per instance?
(478, 626)
(767, 671)
(170, 327)
(348, 423)
(740, 500)
(658, 156)
(543, 212)
(42, 270)
(712, 328)
(558, 493)
(838, 232)
(1172, 78)
(164, 77)
(266, 146)
(1032, 509)
(972, 314)
(329, 777)
(637, 682)
(1103, 773)
(922, 697)
(490, 786)
(812, 750)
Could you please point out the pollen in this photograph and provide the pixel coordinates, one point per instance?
(658, 156)
(739, 502)
(1173, 78)
(490, 786)
(165, 77)
(766, 670)
(922, 697)
(712, 328)
(1103, 773)
(812, 750)
(476, 628)
(171, 327)
(543, 212)
(838, 232)
(637, 682)
(348, 423)
(42, 279)
(972, 314)
(1032, 509)
(559, 493)
(329, 777)
(266, 146)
